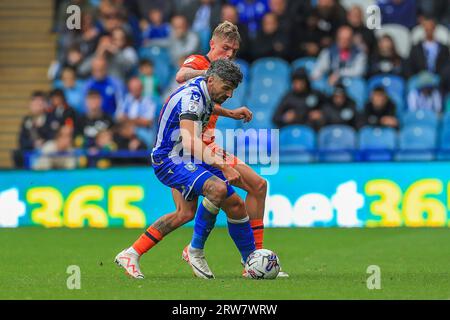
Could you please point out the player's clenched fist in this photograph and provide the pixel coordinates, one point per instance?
(242, 113)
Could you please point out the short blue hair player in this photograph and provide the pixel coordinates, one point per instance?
(182, 161)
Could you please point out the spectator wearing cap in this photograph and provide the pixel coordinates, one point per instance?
(92, 122)
(302, 105)
(426, 95)
(340, 109)
(183, 41)
(60, 110)
(429, 54)
(342, 59)
(270, 41)
(380, 111)
(110, 88)
(138, 110)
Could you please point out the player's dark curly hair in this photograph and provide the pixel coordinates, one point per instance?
(226, 70)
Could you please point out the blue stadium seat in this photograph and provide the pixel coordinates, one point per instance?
(275, 68)
(264, 101)
(391, 83)
(417, 143)
(337, 143)
(413, 81)
(268, 85)
(446, 120)
(421, 118)
(377, 143)
(444, 144)
(297, 143)
(162, 61)
(447, 103)
(306, 63)
(245, 68)
(356, 89)
(261, 120)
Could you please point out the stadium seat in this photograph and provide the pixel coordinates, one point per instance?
(444, 144)
(420, 118)
(261, 120)
(413, 81)
(417, 143)
(441, 34)
(245, 68)
(264, 101)
(364, 4)
(377, 143)
(275, 68)
(297, 143)
(357, 90)
(400, 35)
(305, 63)
(336, 143)
(447, 103)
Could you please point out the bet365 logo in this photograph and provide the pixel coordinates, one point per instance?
(11, 208)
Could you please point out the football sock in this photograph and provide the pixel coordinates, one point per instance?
(204, 222)
(258, 232)
(147, 240)
(242, 235)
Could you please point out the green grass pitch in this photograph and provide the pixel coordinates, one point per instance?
(323, 264)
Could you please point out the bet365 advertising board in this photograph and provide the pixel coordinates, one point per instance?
(304, 195)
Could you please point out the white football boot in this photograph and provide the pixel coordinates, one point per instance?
(130, 262)
(197, 261)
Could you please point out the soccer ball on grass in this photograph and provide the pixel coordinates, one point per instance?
(262, 264)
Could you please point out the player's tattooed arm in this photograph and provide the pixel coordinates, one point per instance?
(185, 74)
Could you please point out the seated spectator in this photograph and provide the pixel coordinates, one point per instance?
(380, 111)
(270, 41)
(99, 153)
(230, 14)
(60, 110)
(331, 16)
(138, 110)
(73, 90)
(401, 12)
(342, 59)
(309, 42)
(429, 54)
(148, 78)
(340, 109)
(57, 153)
(364, 38)
(251, 13)
(37, 127)
(126, 139)
(386, 59)
(110, 88)
(426, 95)
(156, 31)
(118, 51)
(92, 122)
(77, 61)
(183, 42)
(285, 17)
(301, 105)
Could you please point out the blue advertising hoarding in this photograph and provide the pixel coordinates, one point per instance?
(302, 195)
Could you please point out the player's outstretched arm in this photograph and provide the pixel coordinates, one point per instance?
(185, 74)
(242, 113)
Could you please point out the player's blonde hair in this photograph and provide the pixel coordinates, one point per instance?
(227, 30)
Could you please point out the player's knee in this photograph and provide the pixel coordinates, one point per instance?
(260, 187)
(218, 193)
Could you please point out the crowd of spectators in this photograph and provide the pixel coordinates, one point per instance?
(106, 95)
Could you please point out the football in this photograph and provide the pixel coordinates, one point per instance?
(262, 264)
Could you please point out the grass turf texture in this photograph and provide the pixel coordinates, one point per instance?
(322, 263)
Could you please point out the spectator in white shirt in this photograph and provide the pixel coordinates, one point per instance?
(426, 95)
(138, 109)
